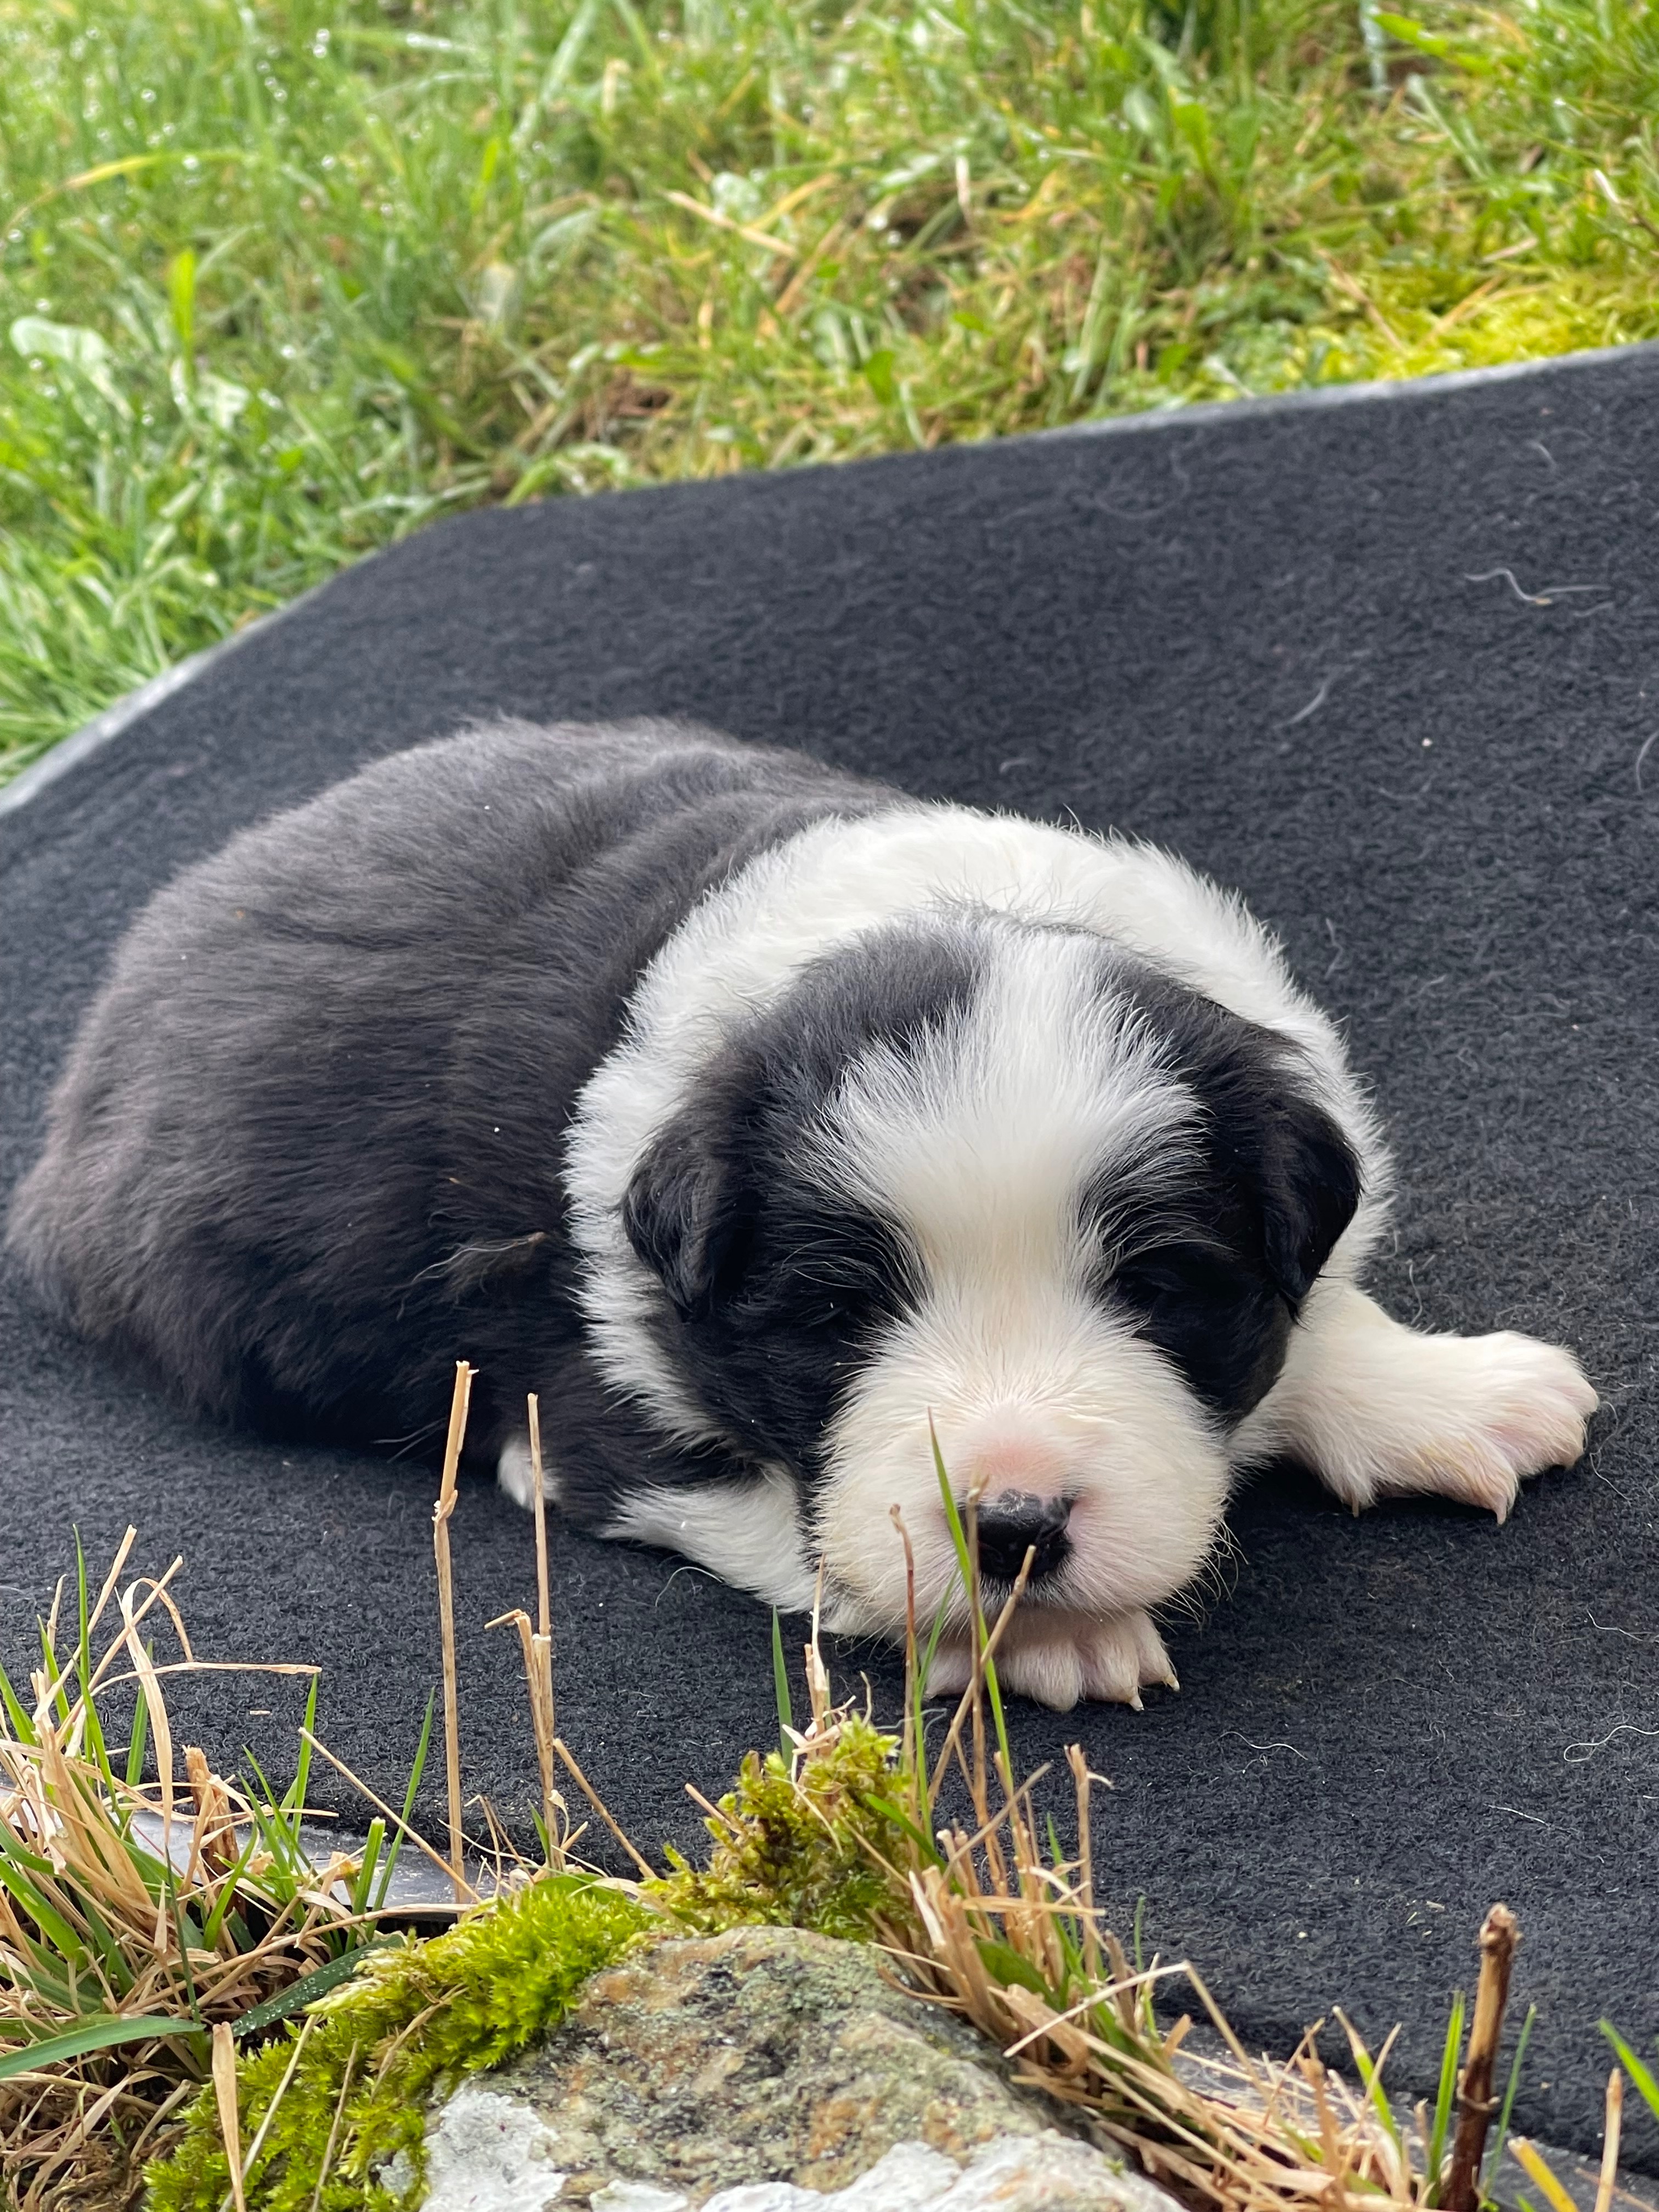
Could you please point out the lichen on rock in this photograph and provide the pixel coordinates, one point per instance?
(765, 2060)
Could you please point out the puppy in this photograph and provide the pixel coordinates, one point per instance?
(767, 1123)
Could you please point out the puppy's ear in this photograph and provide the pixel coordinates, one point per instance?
(688, 1213)
(1283, 1151)
(1307, 1180)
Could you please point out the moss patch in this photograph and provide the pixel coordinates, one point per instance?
(806, 1850)
(414, 2019)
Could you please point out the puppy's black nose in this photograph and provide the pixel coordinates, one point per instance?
(1014, 1521)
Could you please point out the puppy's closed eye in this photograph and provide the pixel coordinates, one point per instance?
(1219, 1321)
(811, 1298)
(1172, 1273)
(846, 1308)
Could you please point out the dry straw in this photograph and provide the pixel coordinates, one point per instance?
(142, 1922)
(537, 1644)
(442, 1513)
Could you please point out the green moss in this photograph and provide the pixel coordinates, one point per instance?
(806, 1852)
(1425, 320)
(413, 2019)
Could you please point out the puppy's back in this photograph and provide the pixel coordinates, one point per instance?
(346, 1045)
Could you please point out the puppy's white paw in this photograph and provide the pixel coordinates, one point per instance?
(1481, 1414)
(1056, 1658)
(1526, 1407)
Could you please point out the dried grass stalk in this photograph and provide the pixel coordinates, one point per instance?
(224, 2092)
(441, 1518)
(1612, 2132)
(1476, 2105)
(543, 1605)
(537, 1644)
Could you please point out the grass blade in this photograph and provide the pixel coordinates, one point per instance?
(296, 1794)
(1647, 2087)
(93, 1736)
(229, 1889)
(102, 2033)
(414, 1773)
(17, 1718)
(952, 1513)
(1370, 2074)
(1502, 2135)
(964, 1561)
(270, 1818)
(781, 1690)
(1450, 2055)
(309, 1987)
(140, 1737)
(373, 1844)
(51, 1924)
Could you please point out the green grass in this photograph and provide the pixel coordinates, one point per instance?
(279, 283)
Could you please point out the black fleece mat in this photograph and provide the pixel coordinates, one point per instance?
(1392, 667)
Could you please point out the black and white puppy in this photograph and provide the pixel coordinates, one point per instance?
(756, 1117)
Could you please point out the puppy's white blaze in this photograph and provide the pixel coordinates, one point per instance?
(739, 952)
(980, 1138)
(979, 1147)
(748, 1532)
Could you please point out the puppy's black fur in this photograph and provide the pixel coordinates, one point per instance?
(307, 1148)
(1214, 1275)
(774, 1282)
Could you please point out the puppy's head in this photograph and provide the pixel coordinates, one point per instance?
(990, 1181)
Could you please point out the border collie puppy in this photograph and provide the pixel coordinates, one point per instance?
(759, 1118)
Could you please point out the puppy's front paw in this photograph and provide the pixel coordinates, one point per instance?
(1056, 1658)
(1524, 1407)
(1469, 1418)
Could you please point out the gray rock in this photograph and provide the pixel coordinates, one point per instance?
(487, 2152)
(764, 2070)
